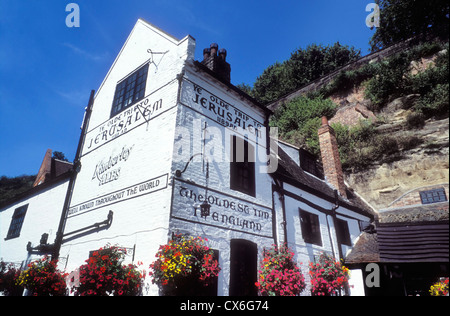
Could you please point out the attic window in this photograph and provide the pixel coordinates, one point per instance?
(130, 90)
(308, 162)
(433, 196)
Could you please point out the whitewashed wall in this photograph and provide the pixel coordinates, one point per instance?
(306, 252)
(126, 159)
(43, 214)
(234, 215)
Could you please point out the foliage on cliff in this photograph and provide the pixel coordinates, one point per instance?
(403, 19)
(383, 82)
(304, 66)
(9, 187)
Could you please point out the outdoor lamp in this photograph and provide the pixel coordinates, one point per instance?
(205, 209)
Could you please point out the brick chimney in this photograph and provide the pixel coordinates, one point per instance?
(332, 166)
(45, 169)
(217, 62)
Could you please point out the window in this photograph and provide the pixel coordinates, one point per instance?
(16, 222)
(433, 196)
(310, 228)
(343, 233)
(242, 166)
(309, 164)
(130, 90)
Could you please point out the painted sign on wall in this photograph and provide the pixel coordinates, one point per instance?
(136, 190)
(140, 113)
(227, 212)
(221, 111)
(108, 169)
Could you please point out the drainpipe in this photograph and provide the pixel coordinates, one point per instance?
(73, 177)
(333, 215)
(277, 188)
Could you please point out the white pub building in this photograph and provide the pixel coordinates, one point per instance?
(169, 145)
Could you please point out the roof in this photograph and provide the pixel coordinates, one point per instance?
(52, 171)
(34, 190)
(414, 234)
(418, 242)
(365, 249)
(292, 173)
(241, 93)
(416, 213)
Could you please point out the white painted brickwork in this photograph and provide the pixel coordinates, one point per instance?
(42, 216)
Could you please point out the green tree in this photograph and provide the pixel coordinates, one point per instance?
(10, 187)
(272, 84)
(403, 19)
(304, 66)
(299, 120)
(59, 155)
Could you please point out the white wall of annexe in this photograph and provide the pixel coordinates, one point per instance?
(43, 210)
(307, 251)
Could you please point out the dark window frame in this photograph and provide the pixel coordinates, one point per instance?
(15, 227)
(310, 225)
(343, 232)
(242, 166)
(130, 90)
(433, 196)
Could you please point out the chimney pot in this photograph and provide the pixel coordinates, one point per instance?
(324, 121)
(214, 49)
(223, 53)
(215, 63)
(206, 53)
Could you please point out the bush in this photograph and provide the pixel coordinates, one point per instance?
(293, 115)
(388, 82)
(299, 120)
(348, 79)
(361, 145)
(415, 120)
(435, 103)
(392, 78)
(410, 142)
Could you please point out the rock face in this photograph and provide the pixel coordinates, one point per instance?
(422, 161)
(383, 184)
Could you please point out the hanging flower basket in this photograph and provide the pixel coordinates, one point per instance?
(42, 278)
(279, 274)
(328, 276)
(185, 266)
(439, 288)
(8, 276)
(104, 274)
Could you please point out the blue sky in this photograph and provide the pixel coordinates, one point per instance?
(47, 70)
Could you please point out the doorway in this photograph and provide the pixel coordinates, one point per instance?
(243, 268)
